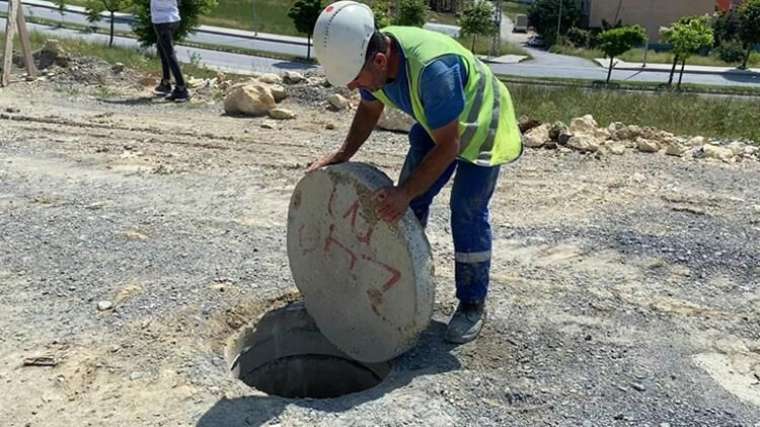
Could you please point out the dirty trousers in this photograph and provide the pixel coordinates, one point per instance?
(470, 227)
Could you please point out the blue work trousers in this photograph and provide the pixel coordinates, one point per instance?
(470, 227)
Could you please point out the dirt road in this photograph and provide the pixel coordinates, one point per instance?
(625, 289)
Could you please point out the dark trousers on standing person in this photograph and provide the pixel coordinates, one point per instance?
(473, 187)
(169, 64)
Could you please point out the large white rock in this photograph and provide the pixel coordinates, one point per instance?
(395, 120)
(251, 99)
(586, 126)
(716, 152)
(538, 136)
(367, 284)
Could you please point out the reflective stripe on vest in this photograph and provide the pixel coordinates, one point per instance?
(471, 125)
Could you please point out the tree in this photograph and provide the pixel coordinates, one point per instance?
(545, 14)
(304, 14)
(61, 5)
(94, 9)
(749, 26)
(725, 27)
(189, 10)
(687, 37)
(411, 12)
(476, 20)
(617, 41)
(380, 10)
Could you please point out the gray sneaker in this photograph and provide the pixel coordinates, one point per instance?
(466, 322)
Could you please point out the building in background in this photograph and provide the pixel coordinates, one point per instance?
(650, 14)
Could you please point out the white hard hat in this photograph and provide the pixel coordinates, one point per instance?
(341, 35)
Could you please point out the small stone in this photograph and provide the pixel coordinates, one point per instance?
(584, 143)
(329, 126)
(616, 148)
(720, 153)
(638, 387)
(267, 125)
(278, 92)
(337, 102)
(647, 146)
(292, 77)
(12, 110)
(697, 141)
(270, 78)
(135, 376)
(675, 150)
(117, 67)
(105, 305)
(557, 129)
(281, 114)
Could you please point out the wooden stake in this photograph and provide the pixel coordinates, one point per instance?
(26, 44)
(10, 27)
(16, 22)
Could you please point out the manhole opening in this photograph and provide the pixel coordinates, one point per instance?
(284, 354)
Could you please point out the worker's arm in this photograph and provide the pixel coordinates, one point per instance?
(393, 201)
(365, 119)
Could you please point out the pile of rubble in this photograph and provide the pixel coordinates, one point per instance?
(585, 135)
(260, 95)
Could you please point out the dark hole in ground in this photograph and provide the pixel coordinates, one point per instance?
(286, 355)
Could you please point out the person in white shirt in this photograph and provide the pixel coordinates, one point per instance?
(164, 15)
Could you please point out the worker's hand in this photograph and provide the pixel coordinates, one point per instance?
(391, 203)
(327, 160)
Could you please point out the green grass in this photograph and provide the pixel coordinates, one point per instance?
(637, 56)
(483, 46)
(131, 58)
(682, 114)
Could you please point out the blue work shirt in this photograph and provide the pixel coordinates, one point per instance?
(441, 86)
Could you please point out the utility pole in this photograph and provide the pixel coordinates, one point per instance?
(496, 42)
(559, 18)
(253, 19)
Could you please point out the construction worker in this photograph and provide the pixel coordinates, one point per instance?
(465, 122)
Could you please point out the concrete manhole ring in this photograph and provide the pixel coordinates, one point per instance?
(284, 354)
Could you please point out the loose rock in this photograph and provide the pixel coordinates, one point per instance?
(281, 114)
(292, 77)
(251, 99)
(647, 146)
(537, 137)
(105, 305)
(270, 78)
(278, 92)
(337, 102)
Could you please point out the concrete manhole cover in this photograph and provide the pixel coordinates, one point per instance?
(286, 355)
(367, 284)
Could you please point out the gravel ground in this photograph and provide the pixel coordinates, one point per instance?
(625, 289)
